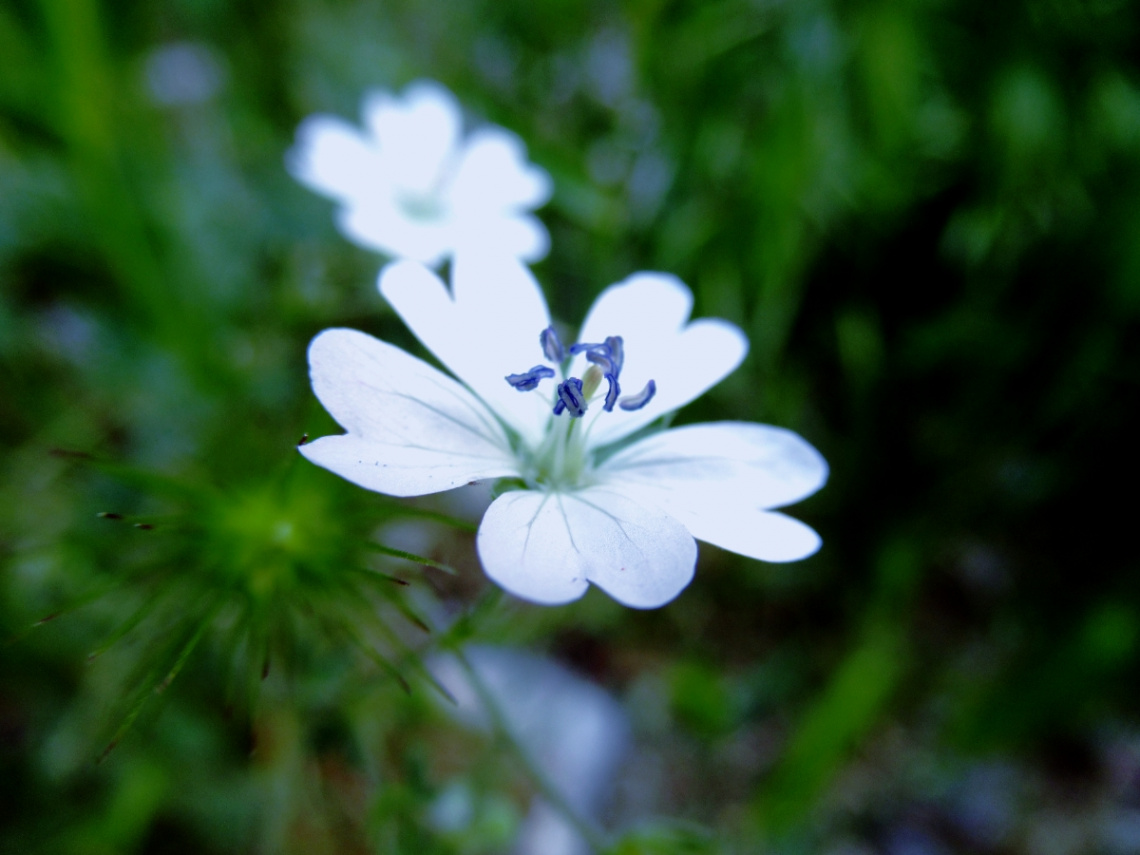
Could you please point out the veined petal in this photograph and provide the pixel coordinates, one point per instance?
(764, 535)
(493, 172)
(483, 331)
(333, 158)
(546, 547)
(411, 429)
(710, 467)
(418, 132)
(649, 311)
(398, 469)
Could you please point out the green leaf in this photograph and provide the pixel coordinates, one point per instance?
(411, 556)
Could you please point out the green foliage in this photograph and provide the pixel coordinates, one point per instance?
(665, 839)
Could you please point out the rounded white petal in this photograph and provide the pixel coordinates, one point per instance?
(764, 535)
(411, 429)
(417, 133)
(707, 467)
(333, 158)
(546, 547)
(487, 328)
(518, 235)
(399, 469)
(493, 172)
(649, 311)
(379, 224)
(644, 304)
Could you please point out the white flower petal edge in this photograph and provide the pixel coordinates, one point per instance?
(720, 479)
(493, 171)
(417, 134)
(706, 467)
(412, 430)
(517, 235)
(763, 535)
(547, 547)
(486, 329)
(332, 158)
(649, 311)
(380, 225)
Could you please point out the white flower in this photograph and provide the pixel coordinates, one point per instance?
(409, 186)
(598, 505)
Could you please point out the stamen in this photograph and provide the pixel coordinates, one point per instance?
(529, 380)
(606, 360)
(551, 345)
(611, 395)
(608, 355)
(602, 360)
(636, 402)
(570, 398)
(585, 345)
(617, 353)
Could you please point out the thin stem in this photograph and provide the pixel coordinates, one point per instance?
(593, 836)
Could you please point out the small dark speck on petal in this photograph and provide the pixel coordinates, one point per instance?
(304, 439)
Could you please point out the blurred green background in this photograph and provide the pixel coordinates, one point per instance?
(924, 213)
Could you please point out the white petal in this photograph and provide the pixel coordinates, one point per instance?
(333, 158)
(707, 467)
(493, 172)
(529, 239)
(517, 235)
(417, 133)
(488, 330)
(546, 547)
(379, 224)
(411, 429)
(649, 311)
(398, 469)
(764, 535)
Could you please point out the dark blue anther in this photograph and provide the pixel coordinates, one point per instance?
(551, 345)
(529, 380)
(570, 398)
(602, 360)
(608, 355)
(617, 353)
(636, 402)
(585, 345)
(612, 394)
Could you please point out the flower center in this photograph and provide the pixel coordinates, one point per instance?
(425, 206)
(561, 459)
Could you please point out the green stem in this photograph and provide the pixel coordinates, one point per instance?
(593, 836)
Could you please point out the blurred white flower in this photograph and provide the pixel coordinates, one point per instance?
(409, 186)
(572, 729)
(595, 504)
